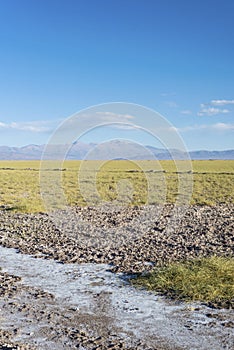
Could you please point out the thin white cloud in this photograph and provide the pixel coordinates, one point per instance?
(166, 94)
(124, 126)
(186, 112)
(110, 117)
(116, 120)
(171, 104)
(222, 102)
(211, 111)
(34, 126)
(88, 121)
(216, 127)
(223, 126)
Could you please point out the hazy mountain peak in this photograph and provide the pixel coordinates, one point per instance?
(80, 150)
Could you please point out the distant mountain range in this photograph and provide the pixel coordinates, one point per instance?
(114, 150)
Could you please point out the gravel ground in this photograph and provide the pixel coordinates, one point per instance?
(131, 239)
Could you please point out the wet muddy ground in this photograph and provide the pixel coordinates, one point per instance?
(66, 295)
(56, 306)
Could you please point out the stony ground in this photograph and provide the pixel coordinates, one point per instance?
(130, 239)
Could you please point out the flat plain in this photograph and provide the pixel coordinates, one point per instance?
(20, 188)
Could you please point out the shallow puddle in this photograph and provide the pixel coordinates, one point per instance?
(92, 290)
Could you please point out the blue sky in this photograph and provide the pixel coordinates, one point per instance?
(174, 56)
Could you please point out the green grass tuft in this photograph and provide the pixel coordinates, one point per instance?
(210, 280)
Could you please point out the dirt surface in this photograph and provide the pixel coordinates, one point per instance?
(63, 328)
(32, 318)
(131, 240)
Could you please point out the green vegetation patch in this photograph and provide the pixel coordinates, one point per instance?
(209, 280)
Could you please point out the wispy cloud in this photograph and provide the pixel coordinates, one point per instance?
(211, 111)
(110, 117)
(213, 107)
(171, 104)
(214, 127)
(223, 126)
(88, 121)
(222, 102)
(124, 126)
(186, 112)
(117, 121)
(34, 126)
(166, 94)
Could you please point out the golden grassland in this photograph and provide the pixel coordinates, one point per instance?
(20, 188)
